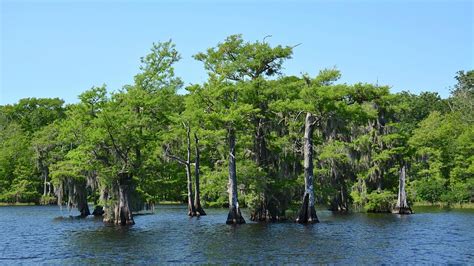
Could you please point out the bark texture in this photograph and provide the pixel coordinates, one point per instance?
(402, 205)
(235, 216)
(307, 212)
(120, 213)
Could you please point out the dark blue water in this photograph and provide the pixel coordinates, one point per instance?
(36, 235)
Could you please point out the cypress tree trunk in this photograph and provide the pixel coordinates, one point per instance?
(98, 209)
(81, 198)
(121, 213)
(339, 202)
(197, 199)
(187, 164)
(402, 205)
(191, 210)
(45, 174)
(76, 192)
(307, 212)
(266, 210)
(259, 212)
(235, 216)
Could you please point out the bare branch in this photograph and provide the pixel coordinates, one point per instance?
(174, 157)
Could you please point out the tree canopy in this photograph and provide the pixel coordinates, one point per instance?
(249, 136)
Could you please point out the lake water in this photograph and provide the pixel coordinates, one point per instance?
(38, 234)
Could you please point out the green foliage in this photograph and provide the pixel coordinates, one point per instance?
(362, 135)
(429, 189)
(462, 99)
(382, 201)
(21, 190)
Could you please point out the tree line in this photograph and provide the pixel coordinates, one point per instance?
(249, 136)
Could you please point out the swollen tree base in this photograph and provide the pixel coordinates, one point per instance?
(84, 210)
(200, 211)
(307, 214)
(98, 211)
(120, 213)
(402, 210)
(261, 215)
(81, 198)
(191, 212)
(267, 213)
(402, 206)
(235, 216)
(266, 218)
(338, 206)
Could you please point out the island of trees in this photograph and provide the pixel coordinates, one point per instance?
(249, 136)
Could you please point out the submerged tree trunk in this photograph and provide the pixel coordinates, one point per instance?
(80, 191)
(340, 201)
(235, 216)
(402, 205)
(76, 192)
(121, 213)
(307, 212)
(197, 199)
(98, 208)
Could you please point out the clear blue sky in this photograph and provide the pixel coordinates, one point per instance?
(59, 49)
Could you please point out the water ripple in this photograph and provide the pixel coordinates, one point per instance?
(35, 234)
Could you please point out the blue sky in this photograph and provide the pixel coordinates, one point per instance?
(59, 49)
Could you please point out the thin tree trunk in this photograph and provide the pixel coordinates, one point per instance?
(260, 146)
(197, 199)
(235, 216)
(187, 164)
(402, 205)
(45, 180)
(307, 213)
(191, 209)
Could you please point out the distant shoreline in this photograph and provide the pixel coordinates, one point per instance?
(443, 205)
